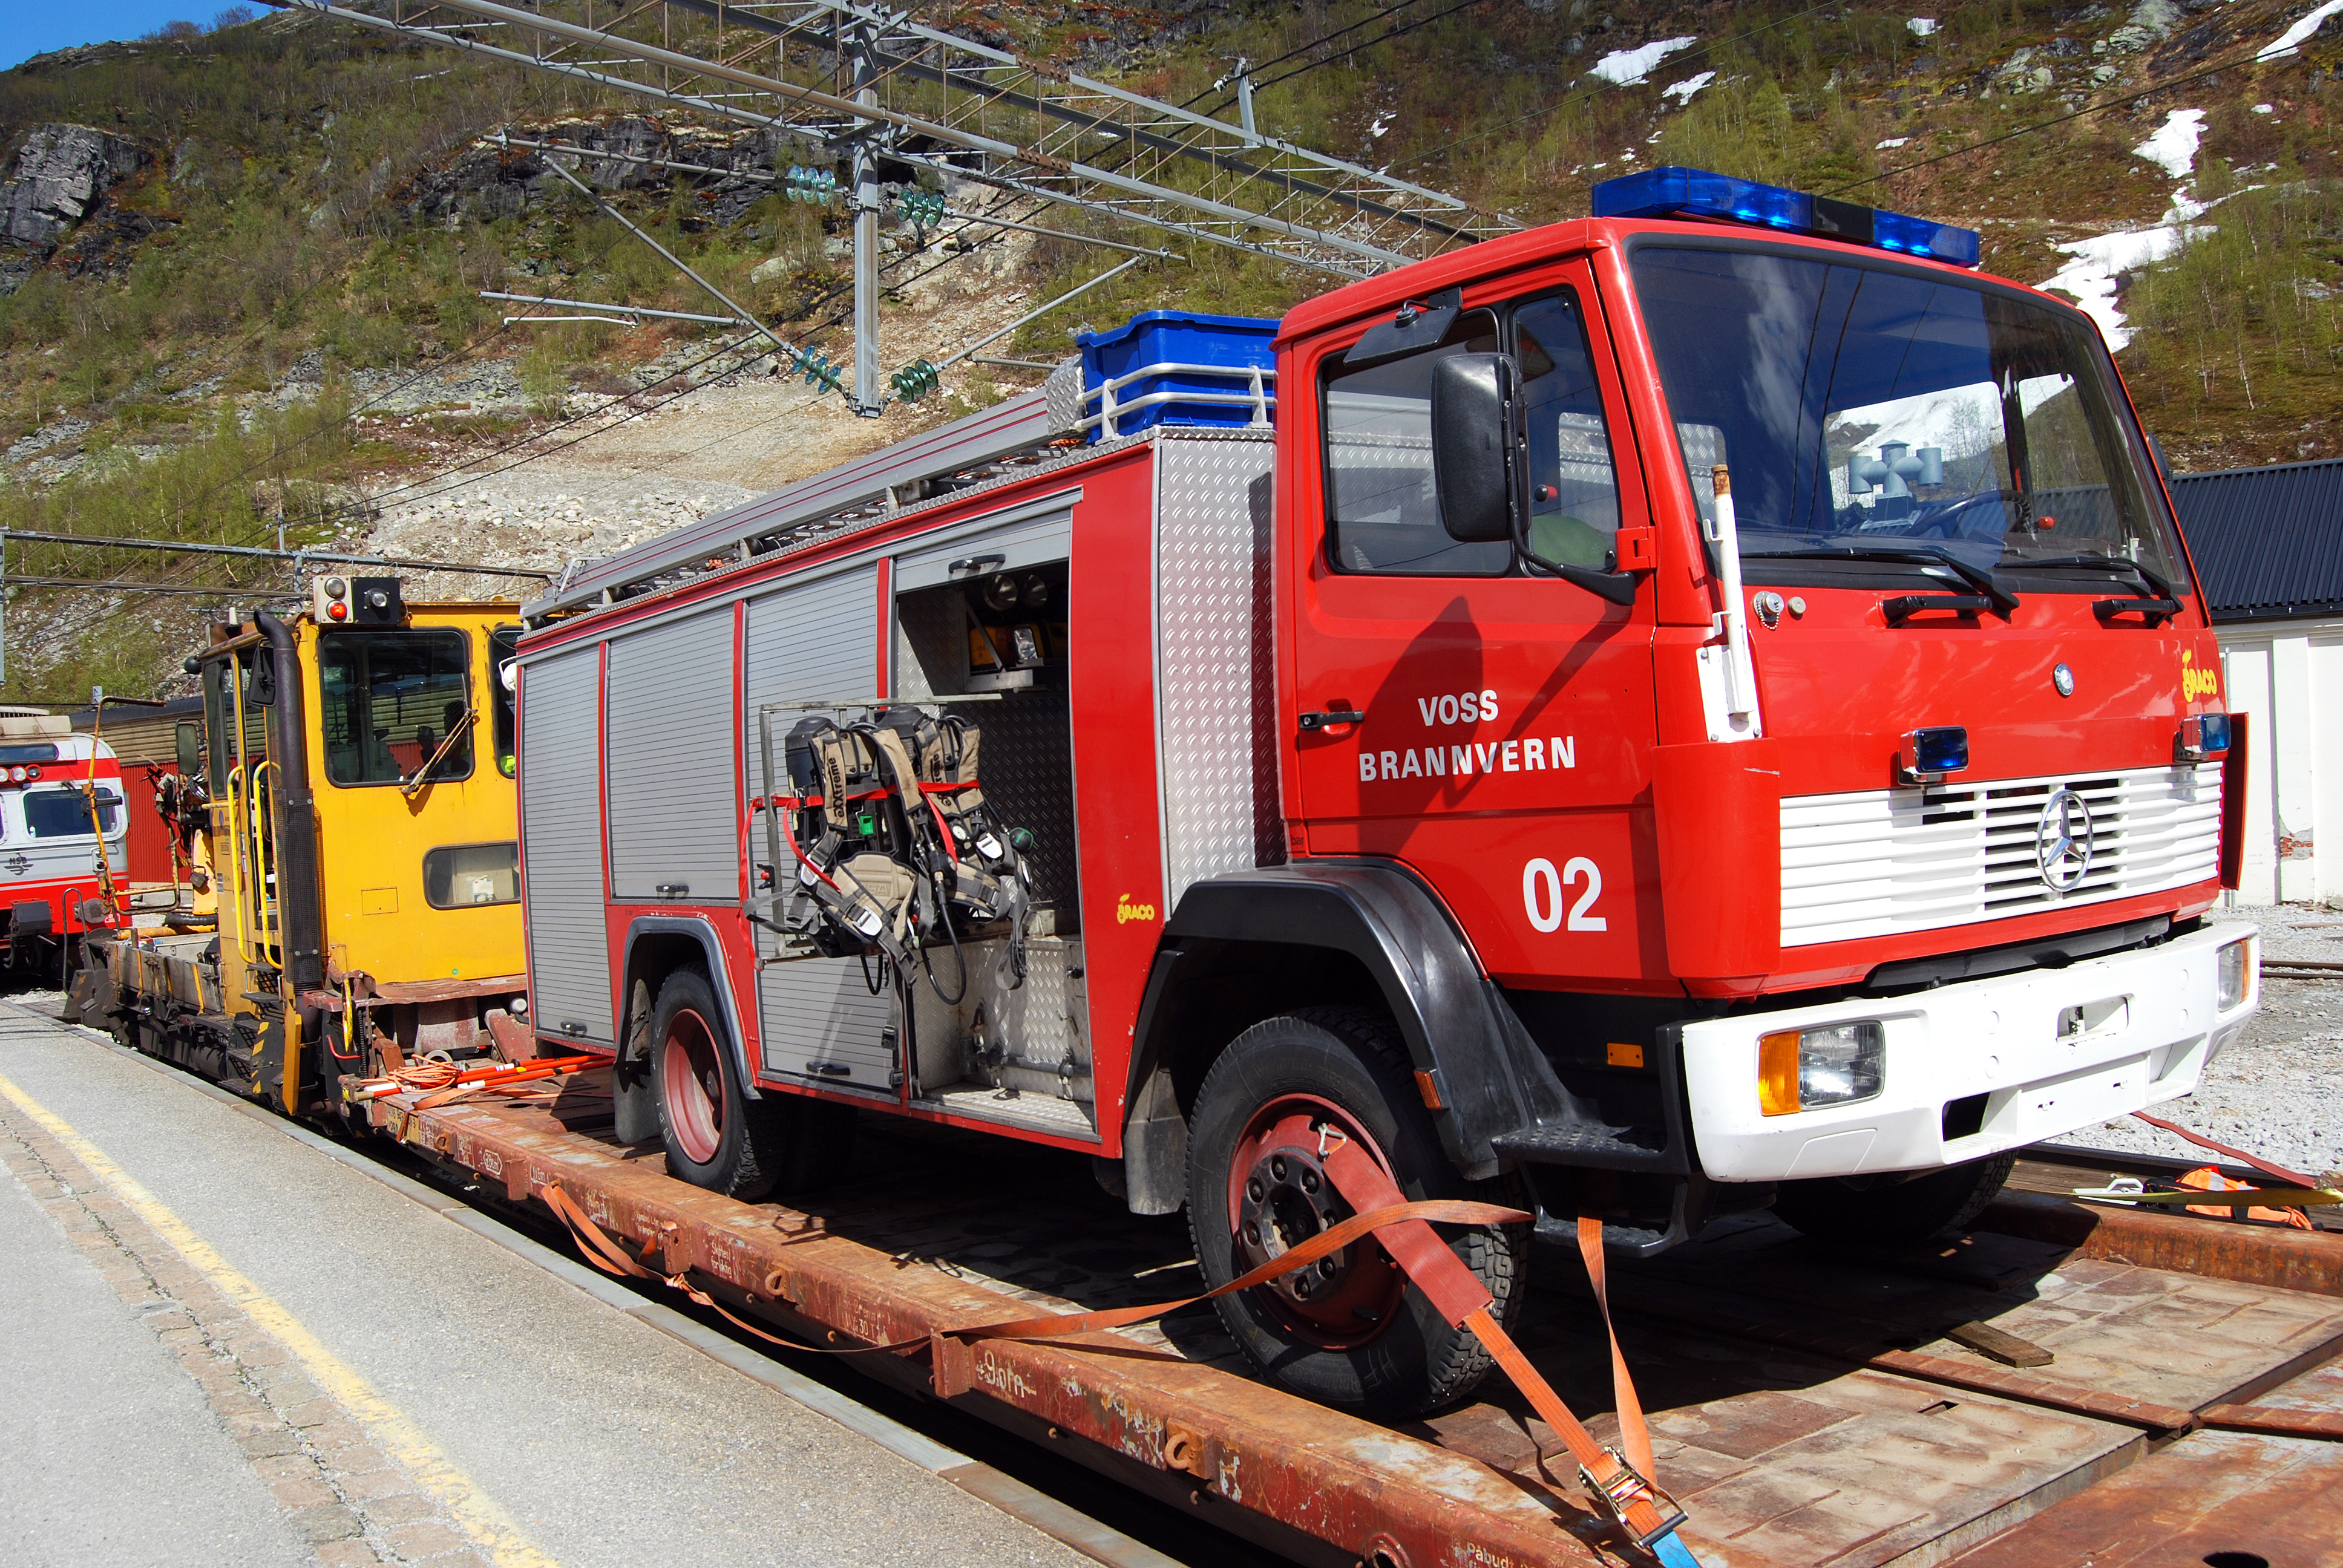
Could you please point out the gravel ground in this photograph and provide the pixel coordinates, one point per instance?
(2277, 1092)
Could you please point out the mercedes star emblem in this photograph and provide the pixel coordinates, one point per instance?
(2064, 680)
(2062, 841)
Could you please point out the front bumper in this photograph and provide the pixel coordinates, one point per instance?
(2150, 1022)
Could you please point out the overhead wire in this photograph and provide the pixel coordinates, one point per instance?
(1398, 32)
(1318, 42)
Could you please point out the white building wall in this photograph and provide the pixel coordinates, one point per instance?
(2288, 676)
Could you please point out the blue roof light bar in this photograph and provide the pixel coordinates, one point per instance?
(1674, 192)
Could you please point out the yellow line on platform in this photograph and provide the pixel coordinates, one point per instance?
(492, 1529)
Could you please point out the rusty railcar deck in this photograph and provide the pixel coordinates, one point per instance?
(1806, 1406)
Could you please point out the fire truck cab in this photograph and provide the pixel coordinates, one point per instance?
(1655, 717)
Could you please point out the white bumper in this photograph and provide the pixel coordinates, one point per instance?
(2152, 1023)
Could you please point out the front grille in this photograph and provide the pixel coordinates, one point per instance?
(1878, 862)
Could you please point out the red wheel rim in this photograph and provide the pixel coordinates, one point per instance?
(691, 1086)
(1280, 1196)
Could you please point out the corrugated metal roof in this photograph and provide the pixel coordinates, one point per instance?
(2269, 542)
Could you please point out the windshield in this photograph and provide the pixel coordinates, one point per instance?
(1864, 409)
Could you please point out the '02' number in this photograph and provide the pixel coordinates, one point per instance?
(1542, 893)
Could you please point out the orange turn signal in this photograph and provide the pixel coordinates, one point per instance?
(1777, 1073)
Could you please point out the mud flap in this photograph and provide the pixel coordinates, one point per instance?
(634, 1104)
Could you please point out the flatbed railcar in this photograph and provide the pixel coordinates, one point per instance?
(1804, 1405)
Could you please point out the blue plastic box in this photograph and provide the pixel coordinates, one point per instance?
(1180, 368)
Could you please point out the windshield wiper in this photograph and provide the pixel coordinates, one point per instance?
(2152, 584)
(1976, 577)
(2156, 602)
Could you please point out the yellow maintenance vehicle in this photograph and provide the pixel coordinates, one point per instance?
(355, 763)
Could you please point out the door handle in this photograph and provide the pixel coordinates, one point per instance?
(1332, 715)
(672, 889)
(969, 566)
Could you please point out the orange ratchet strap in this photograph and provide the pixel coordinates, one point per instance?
(1623, 1484)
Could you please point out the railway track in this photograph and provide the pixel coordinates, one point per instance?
(2302, 968)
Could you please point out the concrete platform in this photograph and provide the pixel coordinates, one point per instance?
(225, 1346)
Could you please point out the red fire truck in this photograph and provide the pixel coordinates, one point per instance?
(51, 847)
(1655, 717)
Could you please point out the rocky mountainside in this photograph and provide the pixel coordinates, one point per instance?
(241, 270)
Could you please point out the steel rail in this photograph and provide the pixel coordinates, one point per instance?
(1081, 288)
(900, 25)
(202, 590)
(1379, 256)
(1079, 119)
(597, 305)
(712, 106)
(8, 535)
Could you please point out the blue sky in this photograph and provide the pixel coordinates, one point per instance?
(30, 27)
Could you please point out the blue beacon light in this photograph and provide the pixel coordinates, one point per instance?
(1676, 192)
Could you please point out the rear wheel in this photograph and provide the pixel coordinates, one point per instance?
(1883, 1210)
(716, 1136)
(1349, 1330)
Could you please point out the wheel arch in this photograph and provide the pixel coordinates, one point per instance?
(1243, 946)
(656, 946)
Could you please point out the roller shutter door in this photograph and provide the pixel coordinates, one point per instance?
(674, 786)
(561, 846)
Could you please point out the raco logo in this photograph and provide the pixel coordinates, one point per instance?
(2195, 682)
(1125, 911)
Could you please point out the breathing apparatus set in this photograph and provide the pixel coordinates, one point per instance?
(891, 848)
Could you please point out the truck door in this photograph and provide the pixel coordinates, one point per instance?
(1483, 724)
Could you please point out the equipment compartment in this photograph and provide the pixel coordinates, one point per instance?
(920, 856)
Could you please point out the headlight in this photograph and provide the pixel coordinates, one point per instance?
(1836, 1064)
(2233, 977)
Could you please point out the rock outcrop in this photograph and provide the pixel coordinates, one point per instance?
(486, 182)
(60, 178)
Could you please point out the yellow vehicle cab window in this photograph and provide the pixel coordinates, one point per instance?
(458, 876)
(504, 645)
(390, 701)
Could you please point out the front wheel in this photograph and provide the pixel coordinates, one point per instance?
(1350, 1330)
(1888, 1211)
(716, 1136)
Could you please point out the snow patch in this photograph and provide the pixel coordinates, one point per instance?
(1626, 67)
(1891, 142)
(2287, 42)
(2265, 108)
(1684, 90)
(2090, 276)
(2173, 147)
(1922, 27)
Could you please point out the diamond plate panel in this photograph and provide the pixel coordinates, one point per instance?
(1215, 658)
(1027, 767)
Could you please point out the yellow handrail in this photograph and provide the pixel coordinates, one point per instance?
(237, 857)
(268, 935)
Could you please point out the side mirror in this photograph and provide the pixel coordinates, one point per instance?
(1480, 467)
(1475, 456)
(191, 747)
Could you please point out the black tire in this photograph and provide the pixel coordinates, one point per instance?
(717, 1137)
(1881, 1211)
(1410, 1361)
